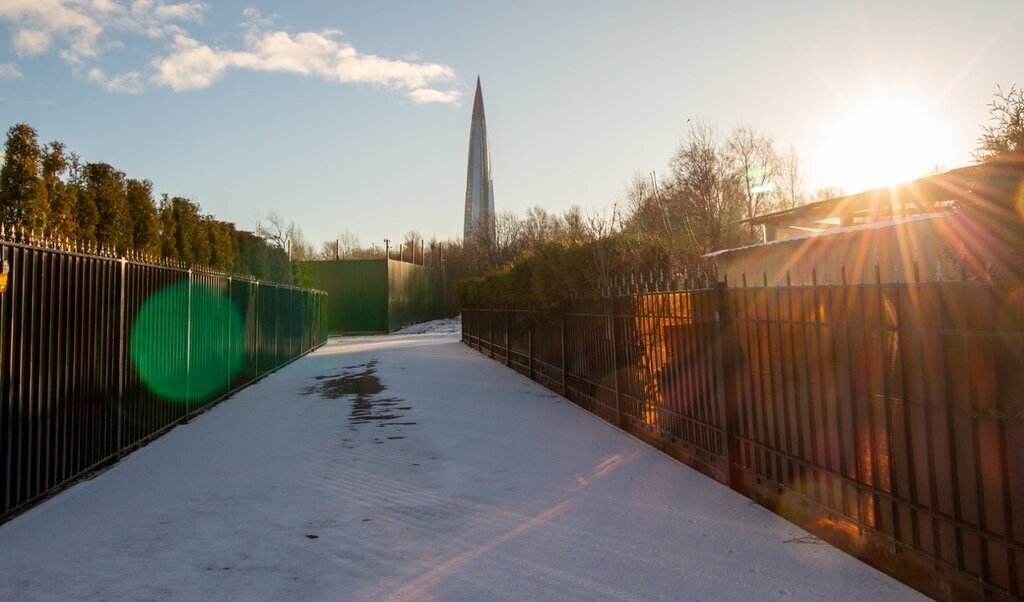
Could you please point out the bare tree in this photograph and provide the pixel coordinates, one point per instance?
(273, 228)
(600, 223)
(705, 193)
(345, 246)
(574, 225)
(508, 237)
(757, 167)
(828, 192)
(540, 226)
(299, 248)
(635, 199)
(791, 181)
(411, 245)
(645, 206)
(1005, 135)
(285, 235)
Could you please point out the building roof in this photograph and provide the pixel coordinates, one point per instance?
(878, 225)
(923, 195)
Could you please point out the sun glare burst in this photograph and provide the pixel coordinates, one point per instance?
(883, 142)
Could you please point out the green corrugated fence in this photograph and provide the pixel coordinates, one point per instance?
(377, 295)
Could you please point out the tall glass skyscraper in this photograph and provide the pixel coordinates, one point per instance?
(479, 222)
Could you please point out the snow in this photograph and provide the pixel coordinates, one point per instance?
(459, 479)
(447, 325)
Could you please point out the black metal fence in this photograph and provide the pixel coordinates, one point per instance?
(886, 418)
(100, 354)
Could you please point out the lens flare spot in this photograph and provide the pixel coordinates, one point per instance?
(180, 367)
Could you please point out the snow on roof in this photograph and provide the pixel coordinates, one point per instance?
(844, 230)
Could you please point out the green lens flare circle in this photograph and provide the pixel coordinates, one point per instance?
(187, 342)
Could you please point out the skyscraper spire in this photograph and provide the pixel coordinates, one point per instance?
(479, 220)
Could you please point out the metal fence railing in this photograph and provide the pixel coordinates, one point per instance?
(100, 354)
(887, 419)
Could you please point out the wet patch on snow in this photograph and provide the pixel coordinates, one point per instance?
(362, 382)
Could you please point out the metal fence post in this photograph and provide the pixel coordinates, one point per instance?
(615, 362)
(508, 340)
(724, 356)
(529, 336)
(188, 348)
(121, 360)
(256, 334)
(227, 356)
(565, 363)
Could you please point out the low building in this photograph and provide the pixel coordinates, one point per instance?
(962, 224)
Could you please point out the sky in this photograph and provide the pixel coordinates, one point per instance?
(354, 117)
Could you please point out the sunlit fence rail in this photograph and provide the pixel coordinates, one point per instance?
(100, 354)
(886, 418)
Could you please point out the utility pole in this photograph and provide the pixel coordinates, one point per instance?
(387, 248)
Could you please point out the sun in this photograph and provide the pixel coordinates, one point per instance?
(882, 142)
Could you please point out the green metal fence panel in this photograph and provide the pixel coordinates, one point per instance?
(357, 293)
(376, 295)
(415, 294)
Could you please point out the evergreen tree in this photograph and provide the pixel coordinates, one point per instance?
(105, 187)
(144, 217)
(168, 229)
(87, 216)
(22, 197)
(222, 246)
(61, 193)
(189, 232)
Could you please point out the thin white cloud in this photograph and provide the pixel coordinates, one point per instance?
(426, 95)
(188, 11)
(81, 31)
(70, 21)
(125, 83)
(194, 65)
(253, 18)
(9, 71)
(32, 41)
(77, 26)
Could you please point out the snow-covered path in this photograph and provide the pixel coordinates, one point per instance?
(409, 467)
